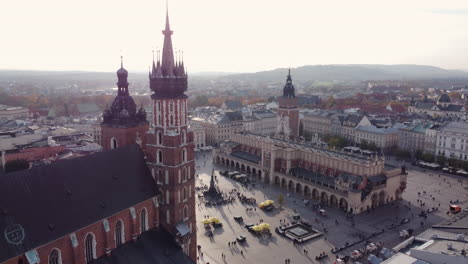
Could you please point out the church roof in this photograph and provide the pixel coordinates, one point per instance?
(52, 201)
(444, 98)
(151, 247)
(233, 104)
(288, 90)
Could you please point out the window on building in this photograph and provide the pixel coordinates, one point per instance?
(184, 155)
(143, 221)
(184, 137)
(119, 233)
(54, 257)
(160, 138)
(167, 197)
(185, 212)
(178, 196)
(168, 216)
(167, 177)
(90, 248)
(114, 143)
(160, 156)
(185, 194)
(171, 106)
(160, 177)
(184, 174)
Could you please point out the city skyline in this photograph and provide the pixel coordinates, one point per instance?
(234, 37)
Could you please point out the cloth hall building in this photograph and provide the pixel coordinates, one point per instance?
(352, 182)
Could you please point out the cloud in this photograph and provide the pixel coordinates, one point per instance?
(456, 12)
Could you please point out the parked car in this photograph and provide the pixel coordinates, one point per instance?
(241, 239)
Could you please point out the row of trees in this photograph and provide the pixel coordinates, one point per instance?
(336, 141)
(368, 146)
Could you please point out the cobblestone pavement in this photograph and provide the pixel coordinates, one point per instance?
(277, 249)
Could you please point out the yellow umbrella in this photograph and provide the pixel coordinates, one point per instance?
(256, 228)
(206, 221)
(269, 201)
(261, 205)
(214, 220)
(265, 226)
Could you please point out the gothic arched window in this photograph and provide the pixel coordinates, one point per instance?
(185, 194)
(113, 143)
(184, 137)
(90, 248)
(143, 220)
(171, 106)
(159, 138)
(184, 155)
(119, 233)
(160, 177)
(185, 212)
(160, 156)
(55, 257)
(184, 174)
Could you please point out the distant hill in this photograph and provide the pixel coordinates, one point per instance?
(354, 72)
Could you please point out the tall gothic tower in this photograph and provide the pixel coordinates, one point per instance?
(170, 147)
(122, 124)
(288, 112)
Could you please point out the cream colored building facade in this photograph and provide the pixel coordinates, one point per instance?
(11, 113)
(351, 182)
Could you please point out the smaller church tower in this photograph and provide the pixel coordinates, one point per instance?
(288, 113)
(122, 123)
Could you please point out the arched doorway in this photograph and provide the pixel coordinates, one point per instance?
(248, 169)
(242, 168)
(254, 171)
(344, 204)
(382, 196)
(232, 164)
(324, 198)
(333, 201)
(398, 194)
(277, 180)
(315, 194)
(374, 200)
(307, 191)
(290, 185)
(223, 162)
(283, 182)
(237, 166)
(217, 160)
(259, 174)
(298, 188)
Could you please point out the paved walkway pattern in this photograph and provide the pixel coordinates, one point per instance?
(276, 249)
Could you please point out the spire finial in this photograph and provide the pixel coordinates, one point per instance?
(153, 55)
(167, 16)
(121, 61)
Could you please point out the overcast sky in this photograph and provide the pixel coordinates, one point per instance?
(232, 35)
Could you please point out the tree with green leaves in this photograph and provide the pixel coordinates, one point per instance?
(428, 157)
(281, 200)
(441, 160)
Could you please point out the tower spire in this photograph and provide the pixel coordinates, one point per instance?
(167, 16)
(167, 63)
